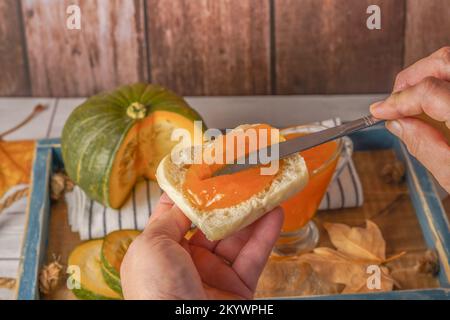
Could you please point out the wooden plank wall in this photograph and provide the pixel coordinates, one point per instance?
(214, 47)
(210, 47)
(325, 46)
(108, 50)
(427, 28)
(14, 79)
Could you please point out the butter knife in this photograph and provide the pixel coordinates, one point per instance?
(301, 143)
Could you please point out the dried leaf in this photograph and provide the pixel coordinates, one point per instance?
(57, 185)
(334, 266)
(428, 264)
(292, 277)
(7, 283)
(37, 109)
(357, 250)
(16, 157)
(359, 243)
(409, 278)
(10, 199)
(386, 283)
(60, 183)
(15, 164)
(408, 271)
(338, 267)
(393, 173)
(50, 276)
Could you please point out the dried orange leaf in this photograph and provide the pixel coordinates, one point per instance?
(16, 158)
(386, 283)
(359, 243)
(338, 267)
(357, 262)
(292, 277)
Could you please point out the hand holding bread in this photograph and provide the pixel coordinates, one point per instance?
(162, 264)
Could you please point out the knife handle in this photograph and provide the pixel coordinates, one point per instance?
(358, 124)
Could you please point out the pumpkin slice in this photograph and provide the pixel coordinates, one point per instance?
(141, 151)
(115, 245)
(92, 286)
(160, 144)
(111, 280)
(114, 138)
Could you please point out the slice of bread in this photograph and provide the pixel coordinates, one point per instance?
(217, 224)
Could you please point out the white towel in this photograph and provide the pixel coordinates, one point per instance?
(93, 220)
(345, 189)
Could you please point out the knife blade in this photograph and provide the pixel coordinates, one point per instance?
(291, 146)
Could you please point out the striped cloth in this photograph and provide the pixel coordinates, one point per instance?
(93, 220)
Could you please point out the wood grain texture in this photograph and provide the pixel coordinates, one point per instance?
(427, 28)
(324, 46)
(14, 78)
(109, 50)
(208, 47)
(61, 242)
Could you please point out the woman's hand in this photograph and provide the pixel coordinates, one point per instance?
(423, 87)
(162, 264)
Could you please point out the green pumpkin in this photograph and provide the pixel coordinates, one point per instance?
(114, 138)
(90, 284)
(112, 281)
(114, 247)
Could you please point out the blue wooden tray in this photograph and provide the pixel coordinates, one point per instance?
(428, 207)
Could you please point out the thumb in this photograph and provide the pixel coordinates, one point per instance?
(427, 144)
(171, 224)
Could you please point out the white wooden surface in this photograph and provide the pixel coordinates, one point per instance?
(220, 112)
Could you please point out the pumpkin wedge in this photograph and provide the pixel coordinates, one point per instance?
(111, 280)
(114, 138)
(115, 245)
(92, 285)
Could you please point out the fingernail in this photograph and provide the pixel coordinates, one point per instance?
(395, 127)
(375, 105)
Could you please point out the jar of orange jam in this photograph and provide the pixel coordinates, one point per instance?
(299, 233)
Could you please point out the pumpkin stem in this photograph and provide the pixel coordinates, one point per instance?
(136, 111)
